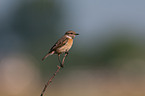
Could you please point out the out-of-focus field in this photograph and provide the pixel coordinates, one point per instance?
(107, 58)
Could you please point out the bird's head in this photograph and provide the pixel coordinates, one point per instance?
(71, 34)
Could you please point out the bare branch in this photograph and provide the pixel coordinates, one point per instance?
(50, 80)
(58, 68)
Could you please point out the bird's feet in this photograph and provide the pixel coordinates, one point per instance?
(61, 65)
(66, 53)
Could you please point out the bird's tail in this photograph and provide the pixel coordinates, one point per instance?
(50, 53)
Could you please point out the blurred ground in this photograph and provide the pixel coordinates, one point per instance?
(107, 58)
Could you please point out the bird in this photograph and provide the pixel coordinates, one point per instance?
(63, 45)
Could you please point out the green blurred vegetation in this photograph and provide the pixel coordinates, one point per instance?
(39, 25)
(116, 61)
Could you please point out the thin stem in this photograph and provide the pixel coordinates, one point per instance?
(58, 68)
(50, 80)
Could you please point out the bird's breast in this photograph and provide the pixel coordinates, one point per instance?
(67, 46)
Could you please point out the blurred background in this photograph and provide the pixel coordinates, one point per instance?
(107, 58)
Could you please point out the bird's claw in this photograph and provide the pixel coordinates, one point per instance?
(61, 65)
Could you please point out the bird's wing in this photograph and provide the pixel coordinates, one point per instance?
(62, 41)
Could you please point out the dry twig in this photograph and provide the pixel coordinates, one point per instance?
(58, 68)
(50, 80)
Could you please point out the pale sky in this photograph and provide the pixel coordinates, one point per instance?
(88, 17)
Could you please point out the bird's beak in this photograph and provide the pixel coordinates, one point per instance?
(76, 34)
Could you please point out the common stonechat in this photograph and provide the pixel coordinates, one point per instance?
(63, 45)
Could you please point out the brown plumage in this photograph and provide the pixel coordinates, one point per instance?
(62, 45)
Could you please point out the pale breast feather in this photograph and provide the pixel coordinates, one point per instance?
(67, 46)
